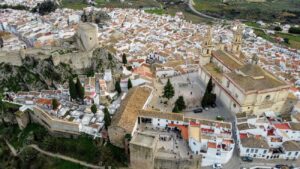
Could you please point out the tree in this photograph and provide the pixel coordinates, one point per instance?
(79, 90)
(110, 58)
(45, 7)
(175, 109)
(168, 90)
(94, 108)
(209, 98)
(209, 86)
(72, 89)
(278, 28)
(118, 87)
(294, 30)
(124, 59)
(180, 104)
(286, 40)
(107, 119)
(129, 84)
(55, 104)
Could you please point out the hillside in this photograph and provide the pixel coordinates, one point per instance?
(34, 74)
(287, 11)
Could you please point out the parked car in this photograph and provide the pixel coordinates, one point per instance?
(247, 159)
(220, 118)
(217, 166)
(281, 166)
(199, 110)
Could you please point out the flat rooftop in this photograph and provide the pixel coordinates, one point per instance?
(143, 139)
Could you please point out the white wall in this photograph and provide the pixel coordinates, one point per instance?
(253, 152)
(195, 146)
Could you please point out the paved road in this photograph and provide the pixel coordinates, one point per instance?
(191, 3)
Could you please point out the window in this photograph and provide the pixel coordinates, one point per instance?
(237, 96)
(247, 151)
(158, 124)
(256, 150)
(158, 119)
(265, 151)
(194, 143)
(268, 97)
(228, 84)
(234, 105)
(252, 150)
(289, 153)
(296, 153)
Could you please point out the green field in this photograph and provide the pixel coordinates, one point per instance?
(155, 11)
(157, 7)
(271, 10)
(79, 4)
(294, 40)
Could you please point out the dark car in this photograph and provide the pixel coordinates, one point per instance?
(199, 110)
(247, 159)
(281, 166)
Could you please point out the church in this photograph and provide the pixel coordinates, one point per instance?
(239, 82)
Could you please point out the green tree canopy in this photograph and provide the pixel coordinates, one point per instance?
(94, 108)
(209, 98)
(168, 90)
(107, 118)
(209, 86)
(55, 104)
(175, 109)
(278, 28)
(180, 103)
(72, 89)
(45, 7)
(118, 87)
(129, 84)
(286, 40)
(79, 89)
(124, 59)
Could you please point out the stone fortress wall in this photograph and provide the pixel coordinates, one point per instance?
(80, 57)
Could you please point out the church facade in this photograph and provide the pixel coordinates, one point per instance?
(239, 82)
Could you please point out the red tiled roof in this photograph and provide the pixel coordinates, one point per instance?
(44, 101)
(207, 130)
(283, 126)
(183, 129)
(211, 145)
(194, 123)
(243, 135)
(270, 132)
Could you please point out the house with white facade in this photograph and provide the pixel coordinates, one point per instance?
(210, 139)
(268, 137)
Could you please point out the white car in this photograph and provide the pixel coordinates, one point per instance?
(217, 166)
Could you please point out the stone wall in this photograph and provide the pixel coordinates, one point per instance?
(76, 59)
(116, 136)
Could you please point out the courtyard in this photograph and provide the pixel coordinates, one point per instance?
(192, 89)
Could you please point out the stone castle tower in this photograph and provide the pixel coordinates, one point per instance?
(207, 48)
(237, 40)
(87, 36)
